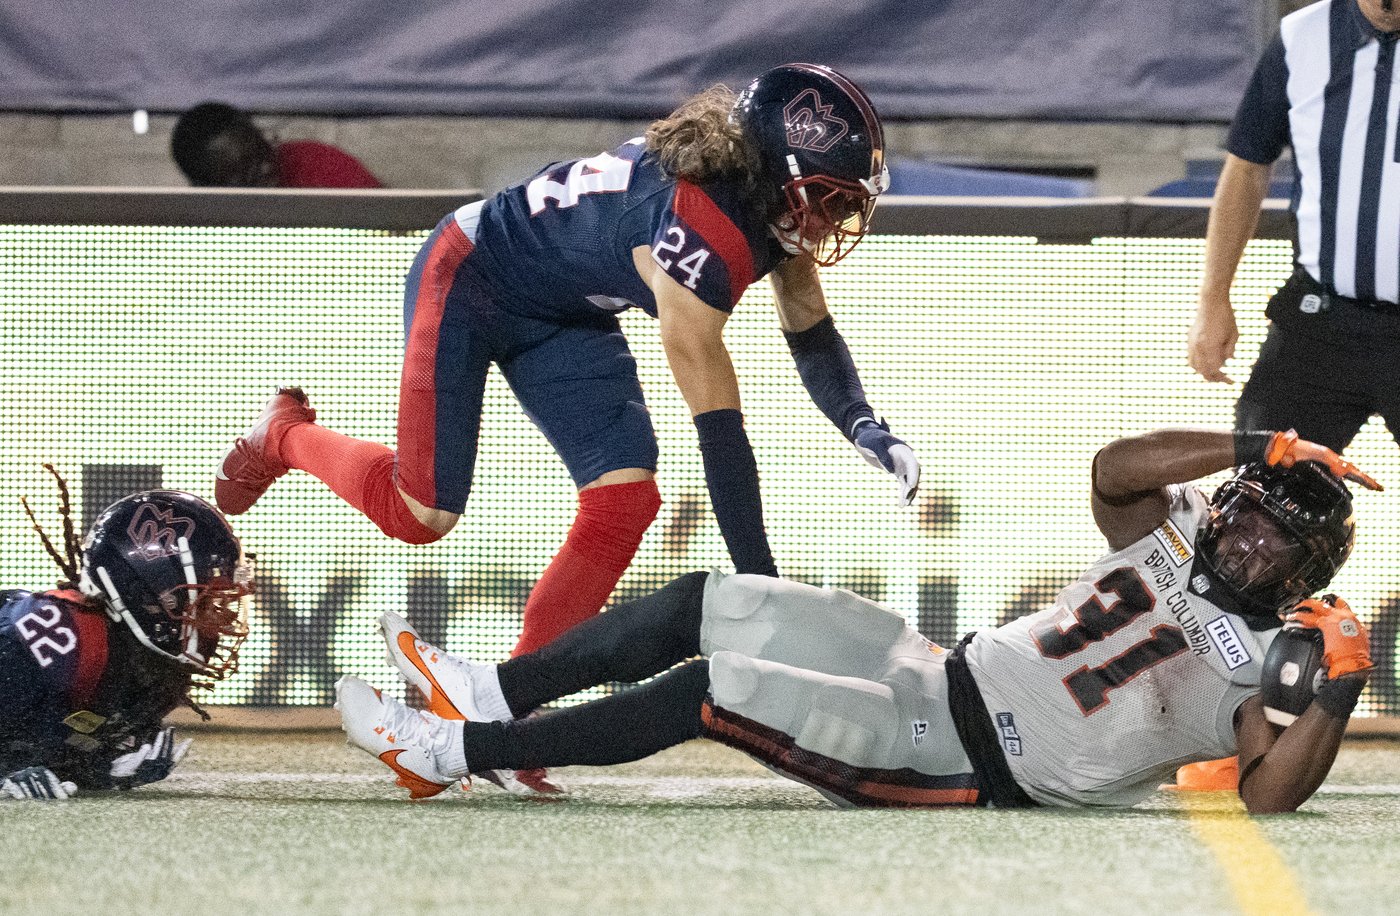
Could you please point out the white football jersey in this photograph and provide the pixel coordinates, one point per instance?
(1099, 697)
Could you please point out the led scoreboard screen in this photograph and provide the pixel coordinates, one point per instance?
(135, 354)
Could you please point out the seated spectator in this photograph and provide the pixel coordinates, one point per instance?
(217, 145)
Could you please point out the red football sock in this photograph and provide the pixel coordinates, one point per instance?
(602, 541)
(360, 472)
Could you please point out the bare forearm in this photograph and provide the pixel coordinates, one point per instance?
(1143, 464)
(1234, 216)
(1294, 765)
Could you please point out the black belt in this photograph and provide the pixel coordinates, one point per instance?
(1330, 297)
(979, 738)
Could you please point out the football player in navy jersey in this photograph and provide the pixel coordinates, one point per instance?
(774, 181)
(150, 607)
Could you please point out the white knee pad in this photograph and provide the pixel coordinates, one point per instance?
(832, 631)
(846, 719)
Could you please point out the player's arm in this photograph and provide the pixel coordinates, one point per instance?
(27, 750)
(1131, 475)
(1234, 216)
(829, 374)
(1258, 135)
(692, 336)
(1281, 768)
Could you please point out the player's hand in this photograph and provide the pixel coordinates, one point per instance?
(38, 783)
(150, 762)
(1286, 450)
(884, 450)
(1212, 338)
(1346, 643)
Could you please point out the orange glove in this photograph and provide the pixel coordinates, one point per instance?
(1287, 449)
(1346, 643)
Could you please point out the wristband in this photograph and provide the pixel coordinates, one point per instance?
(1252, 446)
(1338, 698)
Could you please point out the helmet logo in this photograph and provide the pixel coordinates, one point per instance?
(810, 124)
(156, 532)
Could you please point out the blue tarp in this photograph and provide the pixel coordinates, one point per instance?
(1187, 60)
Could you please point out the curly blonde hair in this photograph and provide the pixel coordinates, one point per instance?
(699, 142)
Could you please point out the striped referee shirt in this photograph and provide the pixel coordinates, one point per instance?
(1327, 86)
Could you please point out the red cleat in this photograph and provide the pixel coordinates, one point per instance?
(525, 783)
(253, 463)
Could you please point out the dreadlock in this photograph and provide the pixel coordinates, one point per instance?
(72, 559)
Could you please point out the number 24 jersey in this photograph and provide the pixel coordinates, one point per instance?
(559, 246)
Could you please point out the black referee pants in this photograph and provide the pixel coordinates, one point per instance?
(1326, 366)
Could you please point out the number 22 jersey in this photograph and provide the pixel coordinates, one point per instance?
(1099, 697)
(75, 690)
(558, 246)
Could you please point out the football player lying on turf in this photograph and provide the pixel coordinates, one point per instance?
(88, 671)
(1152, 658)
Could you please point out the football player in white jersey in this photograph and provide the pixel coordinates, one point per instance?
(1151, 659)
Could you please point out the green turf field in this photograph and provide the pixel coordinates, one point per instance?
(299, 823)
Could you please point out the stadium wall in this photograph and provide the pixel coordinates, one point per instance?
(1007, 340)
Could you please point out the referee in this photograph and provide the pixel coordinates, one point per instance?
(1327, 86)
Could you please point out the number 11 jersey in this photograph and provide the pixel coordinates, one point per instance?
(1130, 673)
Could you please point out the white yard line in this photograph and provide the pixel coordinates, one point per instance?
(664, 786)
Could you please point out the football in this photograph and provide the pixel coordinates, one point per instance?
(1293, 670)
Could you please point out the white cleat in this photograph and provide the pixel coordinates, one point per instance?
(455, 688)
(444, 679)
(415, 745)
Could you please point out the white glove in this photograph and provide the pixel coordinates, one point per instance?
(37, 783)
(884, 450)
(150, 762)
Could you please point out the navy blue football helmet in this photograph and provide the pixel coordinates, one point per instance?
(167, 565)
(823, 150)
(1278, 535)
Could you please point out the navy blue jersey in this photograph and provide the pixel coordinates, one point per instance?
(559, 245)
(76, 691)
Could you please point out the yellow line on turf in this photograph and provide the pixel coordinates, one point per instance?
(1260, 880)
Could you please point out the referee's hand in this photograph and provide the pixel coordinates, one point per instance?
(1213, 337)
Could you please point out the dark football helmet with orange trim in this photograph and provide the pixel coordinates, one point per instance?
(823, 148)
(1277, 535)
(167, 564)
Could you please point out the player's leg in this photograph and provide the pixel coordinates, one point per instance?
(429, 753)
(579, 386)
(445, 363)
(858, 742)
(631, 642)
(831, 631)
(623, 727)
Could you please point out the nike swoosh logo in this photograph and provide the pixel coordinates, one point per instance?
(437, 701)
(417, 786)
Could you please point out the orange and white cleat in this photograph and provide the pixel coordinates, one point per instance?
(1208, 776)
(253, 463)
(424, 750)
(456, 688)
